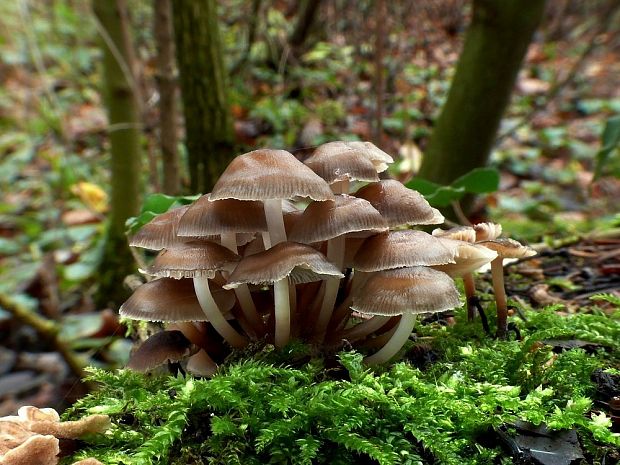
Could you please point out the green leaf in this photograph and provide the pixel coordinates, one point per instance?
(610, 142)
(479, 181)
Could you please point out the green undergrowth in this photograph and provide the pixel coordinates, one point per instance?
(429, 408)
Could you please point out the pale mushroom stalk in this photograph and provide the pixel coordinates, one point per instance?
(497, 274)
(365, 328)
(396, 342)
(214, 315)
(335, 254)
(341, 315)
(229, 240)
(277, 234)
(470, 291)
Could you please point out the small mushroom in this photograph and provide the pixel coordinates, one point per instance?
(505, 248)
(159, 349)
(407, 292)
(286, 261)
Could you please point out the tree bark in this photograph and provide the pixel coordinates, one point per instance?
(166, 86)
(209, 134)
(122, 101)
(495, 45)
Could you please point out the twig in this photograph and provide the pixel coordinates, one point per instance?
(48, 330)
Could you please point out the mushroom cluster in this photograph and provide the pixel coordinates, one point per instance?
(282, 249)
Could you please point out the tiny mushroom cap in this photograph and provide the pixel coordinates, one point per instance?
(460, 233)
(192, 259)
(396, 249)
(508, 248)
(159, 349)
(414, 289)
(299, 262)
(469, 258)
(206, 217)
(325, 220)
(398, 204)
(487, 231)
(336, 161)
(160, 232)
(377, 157)
(168, 299)
(269, 174)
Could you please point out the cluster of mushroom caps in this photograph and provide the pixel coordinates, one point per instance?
(282, 249)
(34, 435)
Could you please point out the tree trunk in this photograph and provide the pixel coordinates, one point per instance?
(208, 124)
(494, 47)
(306, 18)
(122, 100)
(166, 85)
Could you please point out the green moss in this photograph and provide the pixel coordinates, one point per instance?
(258, 410)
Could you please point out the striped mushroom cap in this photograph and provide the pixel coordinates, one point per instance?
(160, 232)
(460, 233)
(413, 289)
(192, 259)
(300, 262)
(168, 299)
(322, 221)
(487, 231)
(206, 217)
(508, 248)
(377, 157)
(396, 249)
(269, 174)
(336, 161)
(398, 204)
(469, 258)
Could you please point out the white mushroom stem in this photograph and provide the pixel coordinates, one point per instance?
(214, 315)
(341, 315)
(497, 274)
(335, 254)
(275, 220)
(282, 312)
(470, 291)
(365, 328)
(277, 234)
(396, 342)
(229, 240)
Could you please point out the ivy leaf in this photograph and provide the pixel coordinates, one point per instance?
(479, 181)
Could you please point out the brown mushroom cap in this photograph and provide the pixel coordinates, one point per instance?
(269, 174)
(508, 248)
(336, 161)
(168, 299)
(300, 262)
(159, 349)
(487, 231)
(469, 258)
(377, 157)
(322, 221)
(414, 289)
(192, 259)
(42, 450)
(398, 204)
(160, 232)
(460, 233)
(206, 217)
(396, 249)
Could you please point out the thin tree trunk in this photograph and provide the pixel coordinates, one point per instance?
(306, 18)
(166, 85)
(122, 100)
(494, 47)
(209, 134)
